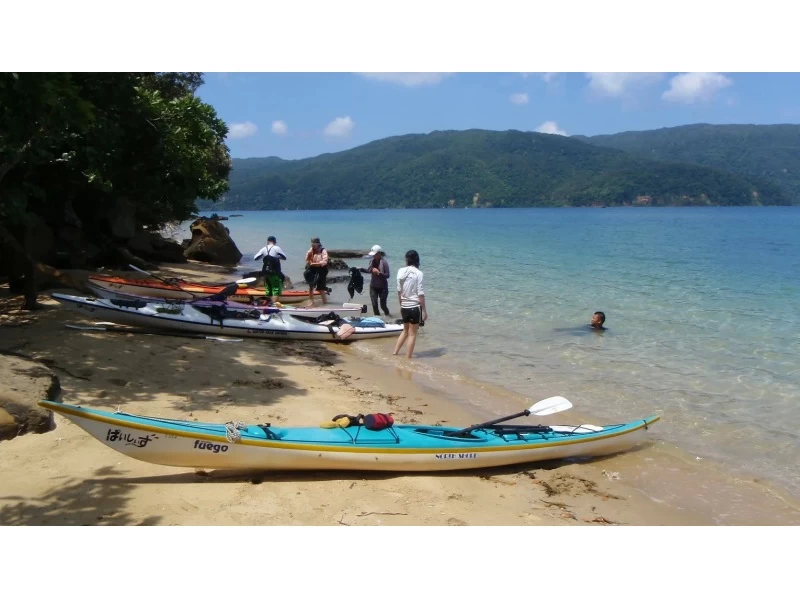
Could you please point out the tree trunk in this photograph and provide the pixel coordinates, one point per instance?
(22, 264)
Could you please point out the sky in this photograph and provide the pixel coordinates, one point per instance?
(298, 115)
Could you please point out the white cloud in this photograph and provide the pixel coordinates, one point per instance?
(279, 127)
(620, 84)
(519, 98)
(550, 127)
(407, 79)
(240, 130)
(548, 77)
(340, 127)
(689, 87)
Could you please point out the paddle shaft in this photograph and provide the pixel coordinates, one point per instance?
(172, 284)
(491, 423)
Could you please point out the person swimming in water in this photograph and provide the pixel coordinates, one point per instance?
(598, 319)
(595, 325)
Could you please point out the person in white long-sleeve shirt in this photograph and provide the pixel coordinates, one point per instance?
(411, 294)
(273, 277)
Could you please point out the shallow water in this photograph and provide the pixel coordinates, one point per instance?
(701, 305)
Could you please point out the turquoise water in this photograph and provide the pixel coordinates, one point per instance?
(702, 306)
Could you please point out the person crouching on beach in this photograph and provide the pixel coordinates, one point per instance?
(316, 273)
(411, 295)
(379, 283)
(273, 276)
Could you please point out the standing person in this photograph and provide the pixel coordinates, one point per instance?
(271, 269)
(411, 295)
(379, 283)
(316, 273)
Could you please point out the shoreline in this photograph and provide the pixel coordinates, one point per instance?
(304, 383)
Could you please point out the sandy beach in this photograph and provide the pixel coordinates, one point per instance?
(65, 477)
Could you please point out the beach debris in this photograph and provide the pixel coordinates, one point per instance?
(363, 514)
(611, 475)
(601, 519)
(554, 503)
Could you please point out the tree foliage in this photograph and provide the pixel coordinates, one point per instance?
(85, 139)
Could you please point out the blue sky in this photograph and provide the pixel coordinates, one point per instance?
(297, 115)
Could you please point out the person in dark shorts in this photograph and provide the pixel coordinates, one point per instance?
(316, 273)
(379, 283)
(411, 294)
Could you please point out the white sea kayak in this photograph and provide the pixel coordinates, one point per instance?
(222, 321)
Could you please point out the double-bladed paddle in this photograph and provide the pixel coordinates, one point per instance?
(544, 407)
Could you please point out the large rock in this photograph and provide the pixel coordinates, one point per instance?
(347, 252)
(74, 251)
(23, 383)
(152, 246)
(337, 264)
(211, 243)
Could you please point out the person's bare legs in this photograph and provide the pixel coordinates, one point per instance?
(324, 297)
(412, 339)
(311, 295)
(399, 344)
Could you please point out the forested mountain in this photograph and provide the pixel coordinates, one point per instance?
(765, 152)
(503, 168)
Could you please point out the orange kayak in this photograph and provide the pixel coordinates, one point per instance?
(181, 289)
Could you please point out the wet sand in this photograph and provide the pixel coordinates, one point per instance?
(65, 477)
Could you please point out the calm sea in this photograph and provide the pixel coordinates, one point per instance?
(702, 306)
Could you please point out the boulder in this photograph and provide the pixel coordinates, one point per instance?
(74, 251)
(337, 264)
(211, 243)
(347, 252)
(151, 245)
(24, 382)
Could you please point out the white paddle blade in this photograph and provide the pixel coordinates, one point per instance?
(246, 280)
(550, 406)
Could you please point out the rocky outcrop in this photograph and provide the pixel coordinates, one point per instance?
(211, 243)
(347, 253)
(337, 264)
(24, 382)
(152, 246)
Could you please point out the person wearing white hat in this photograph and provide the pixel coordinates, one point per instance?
(379, 283)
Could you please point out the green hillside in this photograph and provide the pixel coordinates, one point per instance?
(758, 152)
(508, 168)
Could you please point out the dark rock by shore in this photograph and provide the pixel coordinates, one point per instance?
(343, 253)
(337, 264)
